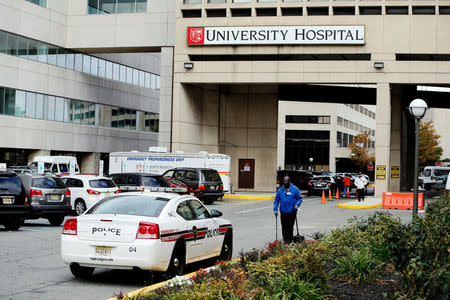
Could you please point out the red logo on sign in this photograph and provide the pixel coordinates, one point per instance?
(196, 35)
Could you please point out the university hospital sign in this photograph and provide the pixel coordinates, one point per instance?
(276, 35)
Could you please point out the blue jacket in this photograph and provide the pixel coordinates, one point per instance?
(287, 199)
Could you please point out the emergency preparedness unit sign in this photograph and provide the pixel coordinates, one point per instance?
(276, 35)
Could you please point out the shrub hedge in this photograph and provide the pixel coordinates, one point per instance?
(357, 253)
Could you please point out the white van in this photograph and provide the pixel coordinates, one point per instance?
(158, 162)
(56, 164)
(434, 177)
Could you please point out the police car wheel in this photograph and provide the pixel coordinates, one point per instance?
(80, 207)
(81, 272)
(227, 247)
(177, 261)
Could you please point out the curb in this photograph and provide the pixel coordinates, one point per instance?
(347, 205)
(228, 196)
(155, 286)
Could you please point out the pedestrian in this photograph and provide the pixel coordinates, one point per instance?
(360, 183)
(347, 183)
(287, 201)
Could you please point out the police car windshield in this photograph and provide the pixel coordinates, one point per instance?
(147, 206)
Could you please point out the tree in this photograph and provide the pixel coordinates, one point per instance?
(429, 150)
(358, 148)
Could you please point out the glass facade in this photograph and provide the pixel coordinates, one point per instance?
(52, 108)
(300, 145)
(42, 3)
(102, 7)
(343, 139)
(42, 52)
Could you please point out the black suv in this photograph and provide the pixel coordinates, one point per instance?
(131, 182)
(13, 201)
(205, 183)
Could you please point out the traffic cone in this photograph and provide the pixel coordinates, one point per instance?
(337, 193)
(348, 193)
(330, 196)
(323, 198)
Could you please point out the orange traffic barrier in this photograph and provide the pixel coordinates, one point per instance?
(337, 193)
(323, 198)
(400, 201)
(330, 196)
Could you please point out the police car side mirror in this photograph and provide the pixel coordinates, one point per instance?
(215, 213)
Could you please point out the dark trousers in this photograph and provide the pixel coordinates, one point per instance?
(360, 194)
(287, 226)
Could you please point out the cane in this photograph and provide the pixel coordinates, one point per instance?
(276, 227)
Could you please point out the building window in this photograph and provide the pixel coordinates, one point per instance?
(338, 139)
(38, 106)
(293, 119)
(42, 3)
(116, 6)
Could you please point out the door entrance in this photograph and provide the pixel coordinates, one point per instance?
(246, 174)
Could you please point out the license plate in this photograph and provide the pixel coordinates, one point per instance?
(103, 251)
(108, 193)
(7, 200)
(213, 187)
(54, 198)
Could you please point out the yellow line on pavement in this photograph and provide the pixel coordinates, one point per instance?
(346, 205)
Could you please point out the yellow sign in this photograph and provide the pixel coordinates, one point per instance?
(381, 172)
(395, 172)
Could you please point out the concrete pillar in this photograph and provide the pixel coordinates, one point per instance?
(166, 97)
(396, 137)
(34, 153)
(383, 137)
(89, 162)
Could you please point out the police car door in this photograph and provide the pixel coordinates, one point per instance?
(190, 232)
(209, 226)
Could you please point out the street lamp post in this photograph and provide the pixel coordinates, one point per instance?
(417, 108)
(311, 161)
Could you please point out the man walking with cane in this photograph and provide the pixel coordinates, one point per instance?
(287, 201)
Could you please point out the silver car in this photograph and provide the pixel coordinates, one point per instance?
(49, 198)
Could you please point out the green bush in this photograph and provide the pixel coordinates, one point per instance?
(420, 250)
(293, 287)
(359, 266)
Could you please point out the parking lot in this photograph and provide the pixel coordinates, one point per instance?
(32, 267)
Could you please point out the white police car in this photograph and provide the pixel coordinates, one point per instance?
(147, 231)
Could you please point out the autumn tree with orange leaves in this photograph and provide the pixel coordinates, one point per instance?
(429, 150)
(359, 147)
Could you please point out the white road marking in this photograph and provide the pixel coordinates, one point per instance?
(254, 209)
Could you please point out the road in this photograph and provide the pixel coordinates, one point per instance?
(31, 267)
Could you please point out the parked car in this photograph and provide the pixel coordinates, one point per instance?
(13, 201)
(86, 190)
(299, 178)
(178, 184)
(447, 186)
(318, 184)
(20, 169)
(205, 183)
(434, 177)
(49, 198)
(132, 182)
